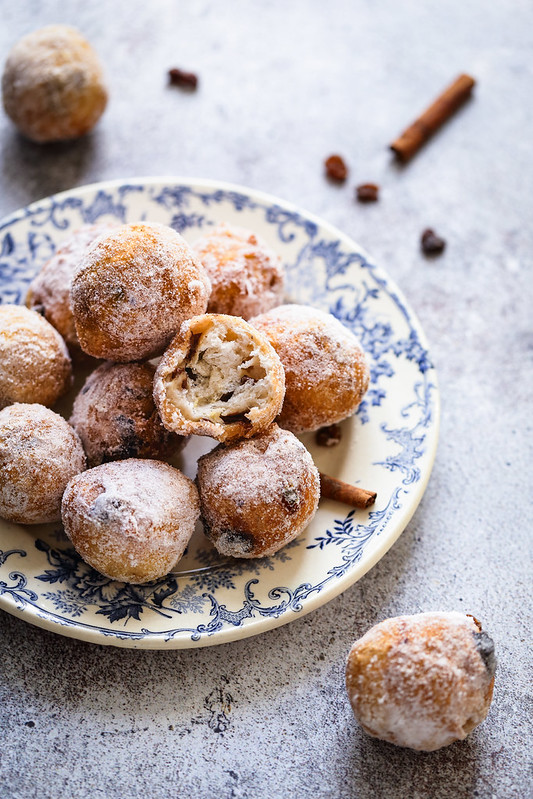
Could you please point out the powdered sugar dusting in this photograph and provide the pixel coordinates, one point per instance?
(49, 292)
(131, 519)
(133, 289)
(39, 454)
(325, 368)
(52, 85)
(116, 418)
(322, 343)
(272, 460)
(266, 487)
(419, 681)
(247, 276)
(34, 361)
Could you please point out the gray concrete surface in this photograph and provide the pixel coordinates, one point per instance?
(284, 84)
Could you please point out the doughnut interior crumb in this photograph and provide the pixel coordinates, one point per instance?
(225, 380)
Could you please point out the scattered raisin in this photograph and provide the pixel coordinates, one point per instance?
(193, 346)
(485, 647)
(336, 169)
(367, 193)
(329, 436)
(431, 243)
(237, 539)
(231, 418)
(187, 80)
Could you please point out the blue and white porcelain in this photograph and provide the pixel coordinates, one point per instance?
(388, 446)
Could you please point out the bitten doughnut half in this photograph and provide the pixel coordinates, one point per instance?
(422, 681)
(326, 371)
(220, 377)
(259, 494)
(49, 292)
(115, 416)
(133, 289)
(39, 454)
(34, 361)
(247, 277)
(53, 85)
(131, 520)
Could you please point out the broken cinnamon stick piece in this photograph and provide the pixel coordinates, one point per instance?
(356, 497)
(433, 117)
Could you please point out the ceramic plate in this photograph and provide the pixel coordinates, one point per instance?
(388, 446)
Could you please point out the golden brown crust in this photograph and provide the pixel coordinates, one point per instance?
(325, 368)
(247, 277)
(421, 681)
(53, 85)
(176, 381)
(34, 361)
(49, 291)
(131, 520)
(115, 416)
(39, 454)
(257, 495)
(133, 289)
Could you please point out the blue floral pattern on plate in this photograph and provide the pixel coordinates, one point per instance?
(389, 445)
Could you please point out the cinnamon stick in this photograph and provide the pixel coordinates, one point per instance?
(433, 117)
(356, 497)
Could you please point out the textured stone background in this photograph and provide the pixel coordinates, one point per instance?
(284, 84)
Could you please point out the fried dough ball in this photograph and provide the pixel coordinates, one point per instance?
(422, 681)
(247, 277)
(39, 453)
(34, 361)
(115, 416)
(133, 289)
(131, 520)
(53, 85)
(257, 495)
(49, 292)
(326, 372)
(220, 377)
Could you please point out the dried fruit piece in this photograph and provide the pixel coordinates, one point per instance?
(178, 77)
(336, 168)
(367, 193)
(431, 243)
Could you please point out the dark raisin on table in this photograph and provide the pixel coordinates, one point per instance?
(431, 243)
(367, 193)
(178, 77)
(336, 168)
